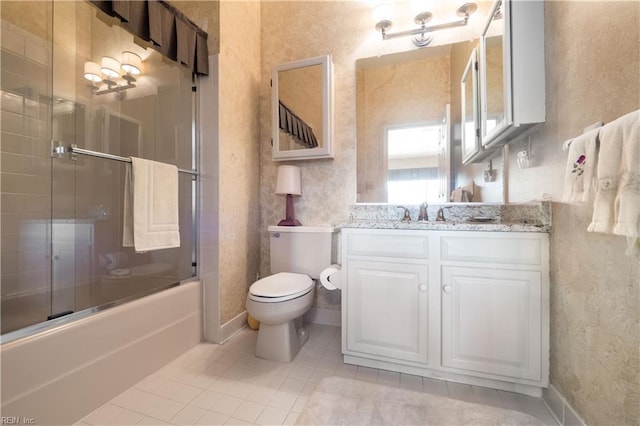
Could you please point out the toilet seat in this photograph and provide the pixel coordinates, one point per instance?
(280, 287)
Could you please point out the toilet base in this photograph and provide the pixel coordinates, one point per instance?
(289, 341)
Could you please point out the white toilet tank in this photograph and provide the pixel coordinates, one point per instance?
(300, 249)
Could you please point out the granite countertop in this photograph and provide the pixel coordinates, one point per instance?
(526, 217)
(495, 226)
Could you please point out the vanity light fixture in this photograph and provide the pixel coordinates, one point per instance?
(382, 11)
(289, 184)
(110, 69)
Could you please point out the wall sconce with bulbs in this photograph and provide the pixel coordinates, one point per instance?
(110, 69)
(383, 13)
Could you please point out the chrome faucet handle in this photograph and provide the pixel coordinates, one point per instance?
(423, 216)
(440, 215)
(406, 217)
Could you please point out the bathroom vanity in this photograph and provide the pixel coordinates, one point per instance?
(459, 301)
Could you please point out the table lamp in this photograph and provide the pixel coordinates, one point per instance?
(289, 184)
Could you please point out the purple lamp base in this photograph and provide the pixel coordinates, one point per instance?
(290, 217)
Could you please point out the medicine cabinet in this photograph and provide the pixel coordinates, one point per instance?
(470, 128)
(512, 86)
(302, 109)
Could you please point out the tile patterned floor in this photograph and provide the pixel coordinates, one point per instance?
(226, 384)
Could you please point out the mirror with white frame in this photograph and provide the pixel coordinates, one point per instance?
(302, 109)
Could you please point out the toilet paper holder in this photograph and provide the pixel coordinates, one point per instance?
(331, 277)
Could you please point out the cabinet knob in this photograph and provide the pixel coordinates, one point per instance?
(423, 287)
(446, 289)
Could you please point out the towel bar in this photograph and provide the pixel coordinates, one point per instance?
(567, 143)
(73, 149)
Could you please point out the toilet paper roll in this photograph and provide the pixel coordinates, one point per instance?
(331, 277)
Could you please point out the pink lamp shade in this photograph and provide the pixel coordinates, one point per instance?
(289, 184)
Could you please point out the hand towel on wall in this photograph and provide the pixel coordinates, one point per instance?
(581, 164)
(150, 206)
(616, 207)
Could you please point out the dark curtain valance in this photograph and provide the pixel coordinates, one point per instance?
(168, 29)
(295, 126)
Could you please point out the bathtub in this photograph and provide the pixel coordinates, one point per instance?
(60, 375)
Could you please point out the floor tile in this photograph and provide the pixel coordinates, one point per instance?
(212, 418)
(227, 384)
(189, 415)
(248, 411)
(226, 405)
(435, 386)
(272, 416)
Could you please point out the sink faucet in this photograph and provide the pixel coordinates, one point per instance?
(440, 215)
(406, 217)
(423, 217)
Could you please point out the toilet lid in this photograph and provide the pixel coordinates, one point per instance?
(282, 284)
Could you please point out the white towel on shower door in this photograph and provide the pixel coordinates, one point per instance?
(150, 206)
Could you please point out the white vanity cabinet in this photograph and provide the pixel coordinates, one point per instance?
(512, 74)
(467, 306)
(494, 303)
(387, 296)
(388, 310)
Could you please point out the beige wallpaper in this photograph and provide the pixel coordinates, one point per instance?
(592, 74)
(238, 153)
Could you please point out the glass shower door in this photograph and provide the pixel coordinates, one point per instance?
(62, 214)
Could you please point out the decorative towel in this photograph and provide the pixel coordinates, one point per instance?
(581, 164)
(150, 206)
(616, 207)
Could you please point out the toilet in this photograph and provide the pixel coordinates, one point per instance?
(298, 255)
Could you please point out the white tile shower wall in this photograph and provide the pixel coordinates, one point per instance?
(25, 167)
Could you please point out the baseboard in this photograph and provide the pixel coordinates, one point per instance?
(560, 407)
(324, 316)
(231, 327)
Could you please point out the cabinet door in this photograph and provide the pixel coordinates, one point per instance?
(491, 321)
(386, 310)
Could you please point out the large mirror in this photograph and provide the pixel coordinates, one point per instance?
(408, 147)
(302, 108)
